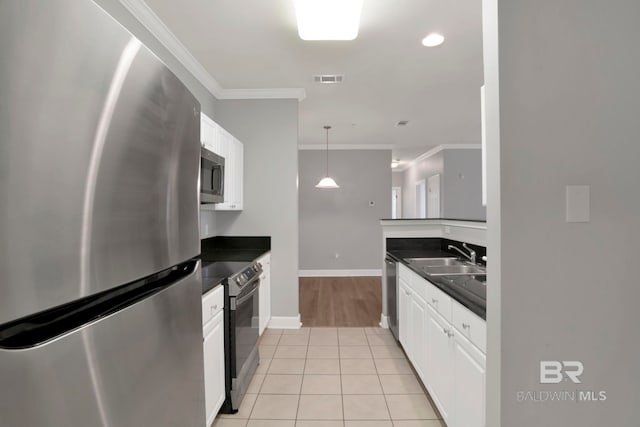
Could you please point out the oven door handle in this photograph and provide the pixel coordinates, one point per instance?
(239, 301)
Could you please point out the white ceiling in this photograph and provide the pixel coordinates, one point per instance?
(389, 75)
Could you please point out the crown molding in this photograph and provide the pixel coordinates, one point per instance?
(435, 151)
(152, 22)
(345, 147)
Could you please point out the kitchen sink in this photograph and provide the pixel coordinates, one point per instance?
(455, 270)
(434, 262)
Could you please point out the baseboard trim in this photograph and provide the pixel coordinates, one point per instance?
(384, 321)
(285, 322)
(339, 273)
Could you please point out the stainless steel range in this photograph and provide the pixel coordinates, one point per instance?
(241, 284)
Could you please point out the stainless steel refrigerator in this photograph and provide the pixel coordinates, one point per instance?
(100, 301)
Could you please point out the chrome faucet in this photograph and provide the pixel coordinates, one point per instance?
(471, 256)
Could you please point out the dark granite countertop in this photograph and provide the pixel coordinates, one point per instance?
(434, 219)
(232, 250)
(467, 290)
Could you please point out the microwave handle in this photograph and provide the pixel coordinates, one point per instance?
(221, 179)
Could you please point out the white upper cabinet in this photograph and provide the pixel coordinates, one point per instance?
(215, 138)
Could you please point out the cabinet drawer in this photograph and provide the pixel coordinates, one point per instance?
(212, 303)
(404, 273)
(470, 325)
(419, 284)
(440, 301)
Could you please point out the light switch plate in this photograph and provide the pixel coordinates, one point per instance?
(578, 203)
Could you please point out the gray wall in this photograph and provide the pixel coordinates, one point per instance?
(569, 105)
(122, 15)
(269, 131)
(340, 221)
(421, 170)
(462, 185)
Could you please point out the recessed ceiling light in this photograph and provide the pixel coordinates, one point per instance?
(328, 19)
(433, 40)
(395, 163)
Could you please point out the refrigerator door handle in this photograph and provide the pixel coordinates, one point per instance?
(39, 328)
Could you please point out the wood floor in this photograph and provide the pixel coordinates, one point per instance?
(340, 301)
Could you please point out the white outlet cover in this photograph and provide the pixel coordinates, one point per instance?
(578, 203)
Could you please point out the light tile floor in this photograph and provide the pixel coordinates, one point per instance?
(333, 377)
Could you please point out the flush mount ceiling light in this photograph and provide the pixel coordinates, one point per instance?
(395, 163)
(327, 181)
(433, 40)
(328, 19)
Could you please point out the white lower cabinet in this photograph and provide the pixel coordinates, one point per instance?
(418, 339)
(440, 364)
(213, 333)
(264, 293)
(404, 300)
(470, 388)
(443, 341)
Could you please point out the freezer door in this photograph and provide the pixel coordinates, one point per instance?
(140, 366)
(99, 157)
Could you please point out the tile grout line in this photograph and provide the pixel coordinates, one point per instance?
(340, 371)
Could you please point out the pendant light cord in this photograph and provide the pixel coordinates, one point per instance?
(327, 129)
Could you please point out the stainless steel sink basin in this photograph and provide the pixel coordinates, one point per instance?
(455, 270)
(434, 262)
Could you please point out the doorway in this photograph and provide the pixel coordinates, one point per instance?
(421, 199)
(396, 202)
(433, 196)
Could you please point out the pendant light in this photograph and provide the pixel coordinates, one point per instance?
(327, 181)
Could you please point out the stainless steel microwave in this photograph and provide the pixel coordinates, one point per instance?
(211, 177)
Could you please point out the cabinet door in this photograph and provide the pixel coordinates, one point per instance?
(207, 133)
(440, 363)
(403, 315)
(470, 368)
(233, 152)
(214, 366)
(418, 328)
(238, 175)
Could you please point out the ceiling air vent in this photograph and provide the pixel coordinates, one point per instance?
(328, 78)
(402, 123)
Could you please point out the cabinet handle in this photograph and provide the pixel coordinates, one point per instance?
(466, 326)
(445, 331)
(214, 307)
(450, 334)
(434, 301)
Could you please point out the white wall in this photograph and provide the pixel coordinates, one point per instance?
(340, 221)
(269, 131)
(569, 104)
(397, 178)
(420, 170)
(460, 183)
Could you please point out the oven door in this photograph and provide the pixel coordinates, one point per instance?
(245, 311)
(211, 177)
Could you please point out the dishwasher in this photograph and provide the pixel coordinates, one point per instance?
(391, 272)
